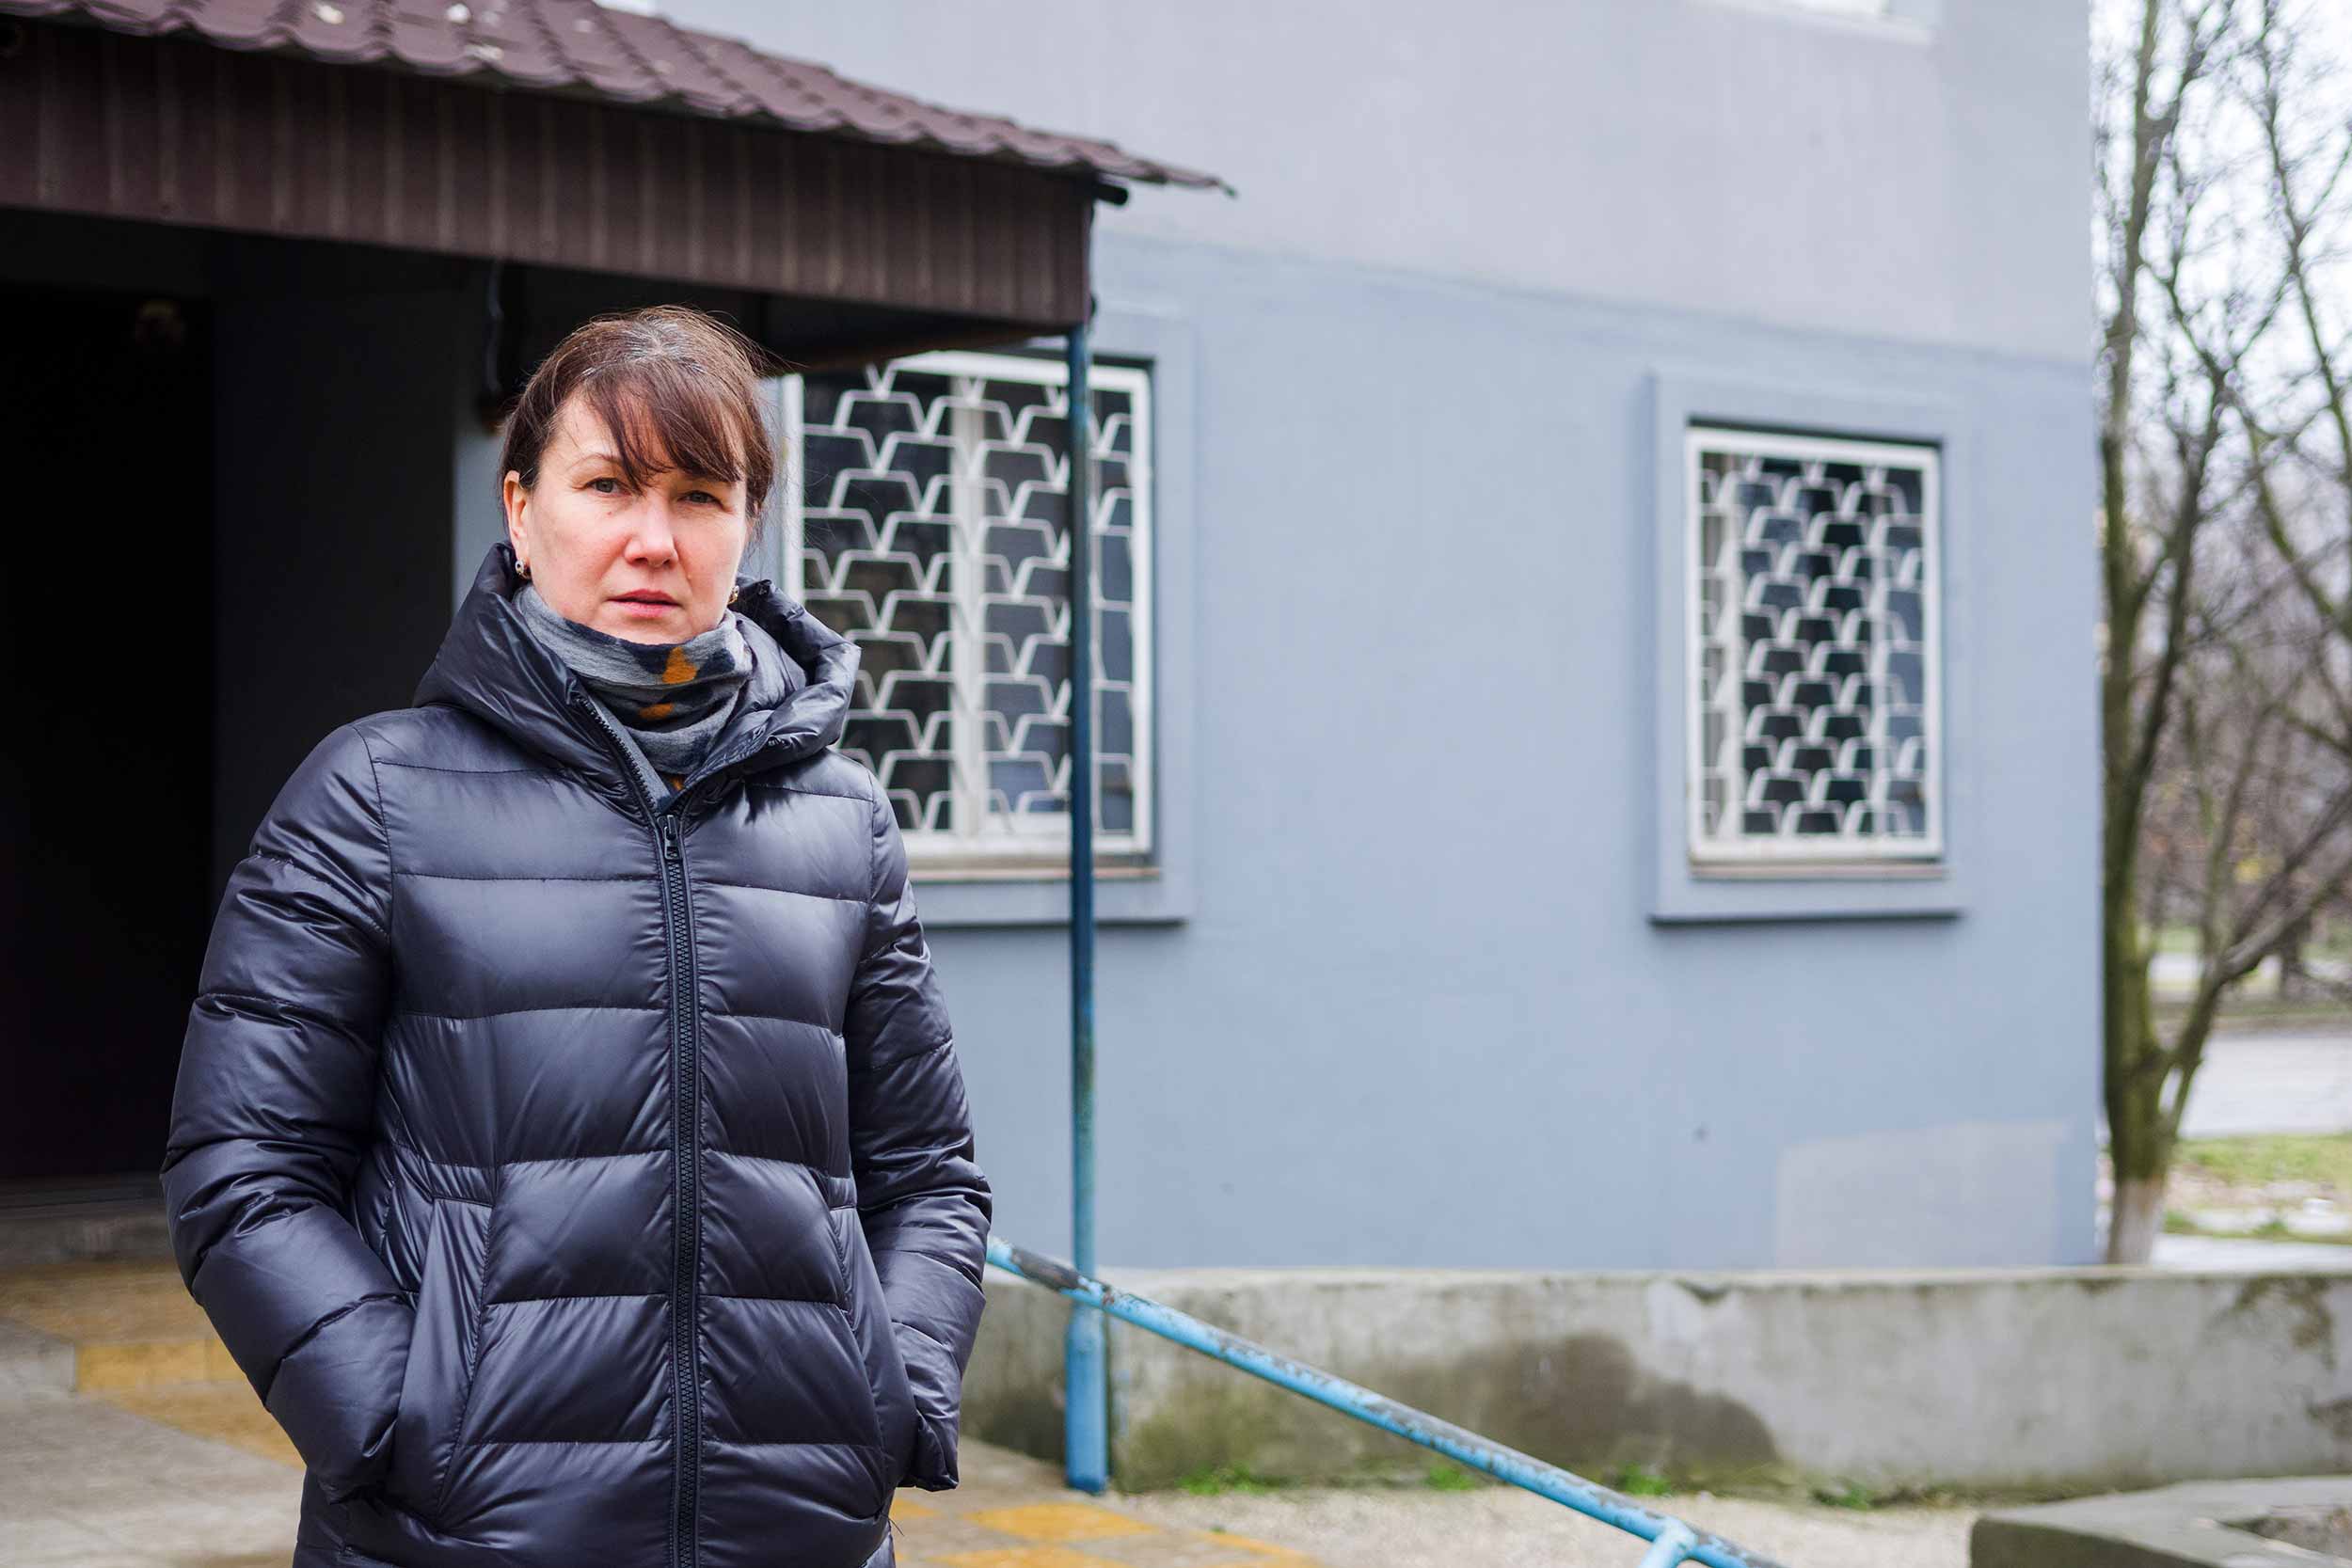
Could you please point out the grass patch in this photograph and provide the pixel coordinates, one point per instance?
(2278, 1231)
(1640, 1480)
(1219, 1480)
(2324, 1159)
(1449, 1476)
(2273, 1230)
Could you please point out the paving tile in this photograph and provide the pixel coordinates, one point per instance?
(139, 1364)
(1026, 1557)
(32, 1537)
(985, 1466)
(106, 1446)
(1178, 1548)
(32, 1362)
(230, 1523)
(1059, 1521)
(224, 1412)
(939, 1538)
(166, 1459)
(1257, 1548)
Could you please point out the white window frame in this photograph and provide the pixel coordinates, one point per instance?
(1903, 852)
(1043, 843)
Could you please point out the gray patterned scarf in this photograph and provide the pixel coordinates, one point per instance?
(672, 699)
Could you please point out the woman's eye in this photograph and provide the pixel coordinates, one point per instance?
(599, 483)
(702, 496)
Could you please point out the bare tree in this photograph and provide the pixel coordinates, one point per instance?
(2226, 698)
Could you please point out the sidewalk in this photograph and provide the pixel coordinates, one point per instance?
(2272, 1081)
(1502, 1527)
(128, 1439)
(196, 1476)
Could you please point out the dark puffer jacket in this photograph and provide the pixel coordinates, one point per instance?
(578, 1184)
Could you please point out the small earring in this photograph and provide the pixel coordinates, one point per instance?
(522, 570)
(736, 592)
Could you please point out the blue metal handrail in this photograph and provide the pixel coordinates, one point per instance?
(1671, 1541)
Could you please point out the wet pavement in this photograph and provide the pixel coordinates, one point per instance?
(2272, 1081)
(128, 1439)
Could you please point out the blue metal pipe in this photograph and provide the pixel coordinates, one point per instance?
(1673, 1546)
(1673, 1540)
(1086, 1420)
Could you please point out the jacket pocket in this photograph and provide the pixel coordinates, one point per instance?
(878, 1344)
(443, 1349)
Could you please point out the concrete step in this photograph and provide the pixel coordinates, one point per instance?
(103, 1327)
(125, 1331)
(63, 1227)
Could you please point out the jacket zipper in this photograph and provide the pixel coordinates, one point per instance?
(685, 1101)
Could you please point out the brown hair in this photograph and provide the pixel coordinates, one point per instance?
(669, 382)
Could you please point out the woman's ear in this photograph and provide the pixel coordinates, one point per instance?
(517, 502)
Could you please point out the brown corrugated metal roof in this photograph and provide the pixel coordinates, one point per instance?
(577, 47)
(176, 131)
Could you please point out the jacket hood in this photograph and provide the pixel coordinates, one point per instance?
(802, 682)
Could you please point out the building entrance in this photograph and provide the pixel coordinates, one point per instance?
(107, 460)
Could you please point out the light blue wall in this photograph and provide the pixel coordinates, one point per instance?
(1420, 1014)
(1920, 181)
(1417, 1010)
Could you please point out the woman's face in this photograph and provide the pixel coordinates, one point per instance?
(652, 565)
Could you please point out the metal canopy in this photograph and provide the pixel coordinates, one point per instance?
(555, 133)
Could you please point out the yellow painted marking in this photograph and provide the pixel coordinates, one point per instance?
(98, 1367)
(134, 1302)
(1028, 1556)
(1225, 1538)
(1059, 1522)
(132, 1325)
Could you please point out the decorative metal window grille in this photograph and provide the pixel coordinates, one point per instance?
(1814, 718)
(930, 526)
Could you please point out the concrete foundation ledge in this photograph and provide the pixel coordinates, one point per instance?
(73, 1232)
(2041, 1382)
(2274, 1522)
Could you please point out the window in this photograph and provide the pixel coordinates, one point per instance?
(1812, 589)
(930, 526)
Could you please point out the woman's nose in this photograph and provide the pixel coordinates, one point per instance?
(653, 534)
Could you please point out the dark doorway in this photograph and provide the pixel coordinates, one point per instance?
(106, 433)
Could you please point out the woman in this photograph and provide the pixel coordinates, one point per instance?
(568, 1141)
